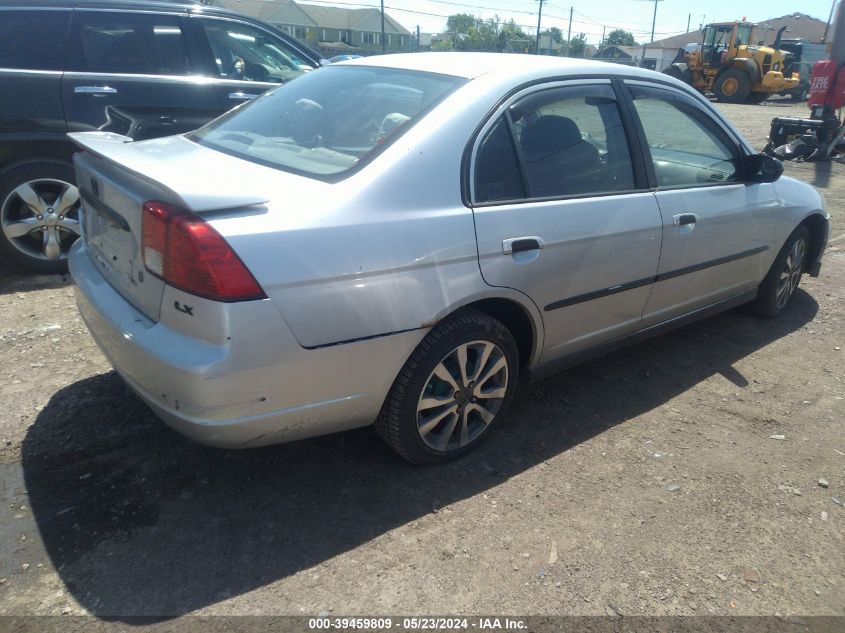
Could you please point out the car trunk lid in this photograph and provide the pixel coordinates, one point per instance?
(116, 177)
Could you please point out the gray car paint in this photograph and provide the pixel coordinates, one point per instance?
(377, 258)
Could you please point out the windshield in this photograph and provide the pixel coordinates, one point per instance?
(743, 35)
(328, 122)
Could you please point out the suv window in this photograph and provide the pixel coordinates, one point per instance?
(32, 40)
(687, 148)
(246, 53)
(129, 43)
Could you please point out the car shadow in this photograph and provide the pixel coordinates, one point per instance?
(139, 521)
(16, 280)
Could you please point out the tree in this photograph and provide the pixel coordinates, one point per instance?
(460, 23)
(577, 46)
(620, 37)
(554, 33)
(442, 46)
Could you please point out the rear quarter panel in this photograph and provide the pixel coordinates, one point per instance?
(389, 249)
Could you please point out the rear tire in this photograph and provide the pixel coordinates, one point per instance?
(799, 95)
(732, 86)
(783, 278)
(39, 215)
(436, 411)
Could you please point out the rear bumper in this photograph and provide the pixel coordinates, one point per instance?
(255, 386)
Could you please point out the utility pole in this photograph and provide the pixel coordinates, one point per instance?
(569, 32)
(689, 19)
(418, 38)
(829, 19)
(654, 19)
(539, 18)
(384, 44)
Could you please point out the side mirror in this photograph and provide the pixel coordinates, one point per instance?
(762, 168)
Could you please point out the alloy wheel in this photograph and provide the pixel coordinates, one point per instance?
(790, 276)
(462, 395)
(41, 218)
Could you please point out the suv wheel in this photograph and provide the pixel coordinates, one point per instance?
(39, 215)
(458, 383)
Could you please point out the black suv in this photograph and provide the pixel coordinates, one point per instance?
(139, 68)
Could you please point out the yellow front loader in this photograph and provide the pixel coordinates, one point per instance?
(734, 65)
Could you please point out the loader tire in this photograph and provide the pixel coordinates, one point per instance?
(732, 86)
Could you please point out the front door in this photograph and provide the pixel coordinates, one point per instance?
(247, 60)
(715, 226)
(130, 73)
(560, 215)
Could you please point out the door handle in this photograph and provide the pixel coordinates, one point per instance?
(683, 219)
(520, 244)
(95, 90)
(242, 96)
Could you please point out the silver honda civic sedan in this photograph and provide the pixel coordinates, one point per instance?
(399, 240)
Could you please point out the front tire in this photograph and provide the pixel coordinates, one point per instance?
(784, 276)
(732, 86)
(39, 215)
(456, 385)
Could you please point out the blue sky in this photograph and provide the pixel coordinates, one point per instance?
(591, 15)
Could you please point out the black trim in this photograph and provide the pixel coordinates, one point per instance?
(361, 338)
(575, 358)
(574, 196)
(630, 123)
(598, 294)
(713, 262)
(100, 207)
(631, 285)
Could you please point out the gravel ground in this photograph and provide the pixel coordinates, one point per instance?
(646, 482)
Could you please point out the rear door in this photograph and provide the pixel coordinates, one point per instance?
(245, 59)
(715, 226)
(130, 72)
(562, 214)
(31, 73)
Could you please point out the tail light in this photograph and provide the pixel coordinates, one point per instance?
(187, 253)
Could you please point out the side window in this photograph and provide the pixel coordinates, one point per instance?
(572, 142)
(245, 53)
(24, 38)
(129, 43)
(686, 148)
(497, 174)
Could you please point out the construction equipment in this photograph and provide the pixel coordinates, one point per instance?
(817, 137)
(734, 65)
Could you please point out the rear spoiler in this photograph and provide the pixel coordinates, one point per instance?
(123, 151)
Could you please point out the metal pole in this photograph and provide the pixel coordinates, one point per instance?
(689, 19)
(383, 43)
(569, 32)
(829, 19)
(539, 17)
(654, 20)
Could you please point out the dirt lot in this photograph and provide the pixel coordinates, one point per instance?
(570, 509)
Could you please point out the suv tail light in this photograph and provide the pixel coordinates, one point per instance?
(187, 253)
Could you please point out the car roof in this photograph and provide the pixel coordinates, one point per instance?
(149, 5)
(474, 65)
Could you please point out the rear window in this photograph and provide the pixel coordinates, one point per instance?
(329, 122)
(128, 43)
(32, 40)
